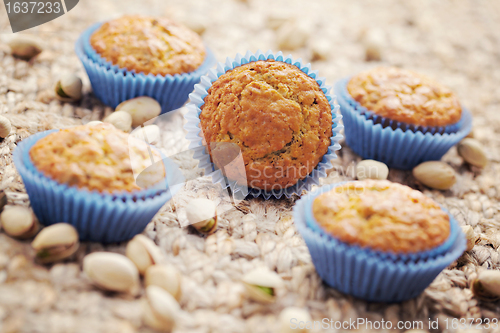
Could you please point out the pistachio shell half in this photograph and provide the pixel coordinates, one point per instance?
(202, 215)
(261, 285)
(141, 109)
(5, 127)
(25, 47)
(19, 222)
(298, 314)
(120, 119)
(55, 242)
(472, 152)
(166, 277)
(112, 271)
(69, 88)
(160, 309)
(435, 174)
(487, 285)
(143, 252)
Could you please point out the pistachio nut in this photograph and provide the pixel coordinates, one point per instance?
(25, 47)
(112, 271)
(487, 285)
(5, 127)
(120, 119)
(93, 123)
(470, 236)
(298, 314)
(166, 277)
(19, 222)
(69, 88)
(202, 214)
(472, 152)
(143, 252)
(141, 109)
(435, 174)
(261, 284)
(3, 200)
(55, 242)
(160, 309)
(371, 169)
(150, 134)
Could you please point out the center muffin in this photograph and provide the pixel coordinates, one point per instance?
(276, 115)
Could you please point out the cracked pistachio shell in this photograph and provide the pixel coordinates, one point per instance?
(69, 88)
(201, 214)
(25, 47)
(371, 169)
(120, 119)
(160, 309)
(55, 242)
(150, 134)
(260, 278)
(435, 174)
(143, 252)
(472, 152)
(470, 235)
(487, 285)
(112, 271)
(5, 127)
(19, 222)
(166, 277)
(141, 109)
(299, 314)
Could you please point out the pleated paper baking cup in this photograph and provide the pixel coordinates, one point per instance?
(398, 148)
(196, 101)
(99, 217)
(365, 275)
(113, 85)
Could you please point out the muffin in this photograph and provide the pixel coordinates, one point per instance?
(400, 117)
(149, 45)
(276, 114)
(376, 240)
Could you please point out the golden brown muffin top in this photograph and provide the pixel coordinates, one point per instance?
(98, 157)
(152, 45)
(383, 216)
(405, 96)
(276, 114)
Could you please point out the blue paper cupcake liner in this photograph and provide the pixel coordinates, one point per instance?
(99, 217)
(365, 275)
(397, 148)
(113, 85)
(196, 100)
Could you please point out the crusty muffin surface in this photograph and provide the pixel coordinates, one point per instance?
(276, 114)
(151, 45)
(382, 215)
(98, 157)
(405, 96)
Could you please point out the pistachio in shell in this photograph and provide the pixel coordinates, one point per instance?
(486, 286)
(120, 119)
(69, 88)
(93, 123)
(3, 200)
(261, 285)
(143, 252)
(19, 222)
(150, 134)
(371, 169)
(55, 242)
(141, 109)
(472, 151)
(202, 215)
(292, 312)
(160, 309)
(435, 174)
(25, 47)
(166, 277)
(5, 127)
(470, 236)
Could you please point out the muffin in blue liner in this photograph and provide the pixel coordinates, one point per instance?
(100, 217)
(113, 85)
(364, 273)
(195, 135)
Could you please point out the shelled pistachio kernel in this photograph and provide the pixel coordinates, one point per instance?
(112, 271)
(472, 152)
(55, 242)
(435, 174)
(19, 222)
(166, 277)
(25, 47)
(299, 314)
(371, 169)
(470, 236)
(261, 285)
(120, 119)
(5, 127)
(143, 252)
(150, 134)
(202, 215)
(69, 88)
(486, 286)
(141, 109)
(160, 309)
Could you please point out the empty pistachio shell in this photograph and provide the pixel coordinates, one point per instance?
(261, 284)
(25, 47)
(201, 213)
(120, 119)
(143, 252)
(5, 127)
(291, 317)
(472, 152)
(166, 277)
(19, 222)
(470, 235)
(112, 271)
(487, 285)
(371, 169)
(435, 174)
(141, 109)
(69, 88)
(149, 133)
(3, 200)
(93, 123)
(55, 242)
(160, 309)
